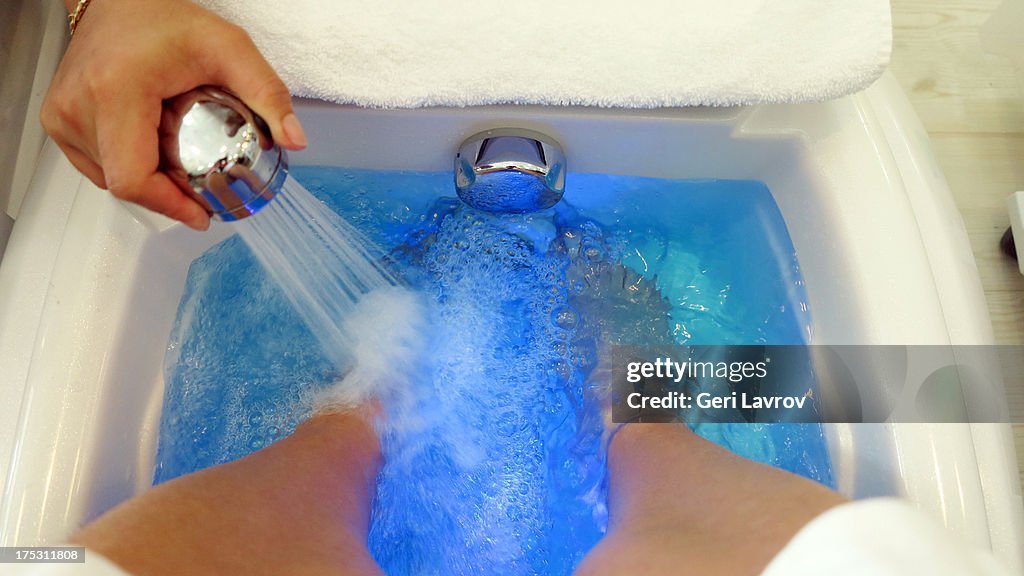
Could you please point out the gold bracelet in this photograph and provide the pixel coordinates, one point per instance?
(75, 17)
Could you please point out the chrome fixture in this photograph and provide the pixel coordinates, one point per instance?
(220, 152)
(510, 170)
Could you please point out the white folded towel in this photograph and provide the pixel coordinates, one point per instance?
(621, 53)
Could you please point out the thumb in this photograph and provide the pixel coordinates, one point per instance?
(251, 77)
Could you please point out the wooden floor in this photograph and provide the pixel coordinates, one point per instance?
(972, 104)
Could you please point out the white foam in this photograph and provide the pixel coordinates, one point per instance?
(387, 327)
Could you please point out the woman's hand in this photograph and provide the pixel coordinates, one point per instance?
(128, 56)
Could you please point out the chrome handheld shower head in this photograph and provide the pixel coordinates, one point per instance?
(220, 152)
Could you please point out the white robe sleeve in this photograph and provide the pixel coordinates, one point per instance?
(882, 537)
(94, 565)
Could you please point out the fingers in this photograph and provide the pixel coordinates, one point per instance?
(103, 107)
(129, 150)
(84, 164)
(158, 193)
(249, 76)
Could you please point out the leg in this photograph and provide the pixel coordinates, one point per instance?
(299, 506)
(679, 504)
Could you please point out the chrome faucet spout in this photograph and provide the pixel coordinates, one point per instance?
(511, 170)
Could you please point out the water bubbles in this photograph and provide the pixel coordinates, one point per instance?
(566, 318)
(563, 369)
(514, 513)
(508, 423)
(490, 475)
(593, 252)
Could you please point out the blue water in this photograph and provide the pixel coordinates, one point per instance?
(520, 306)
